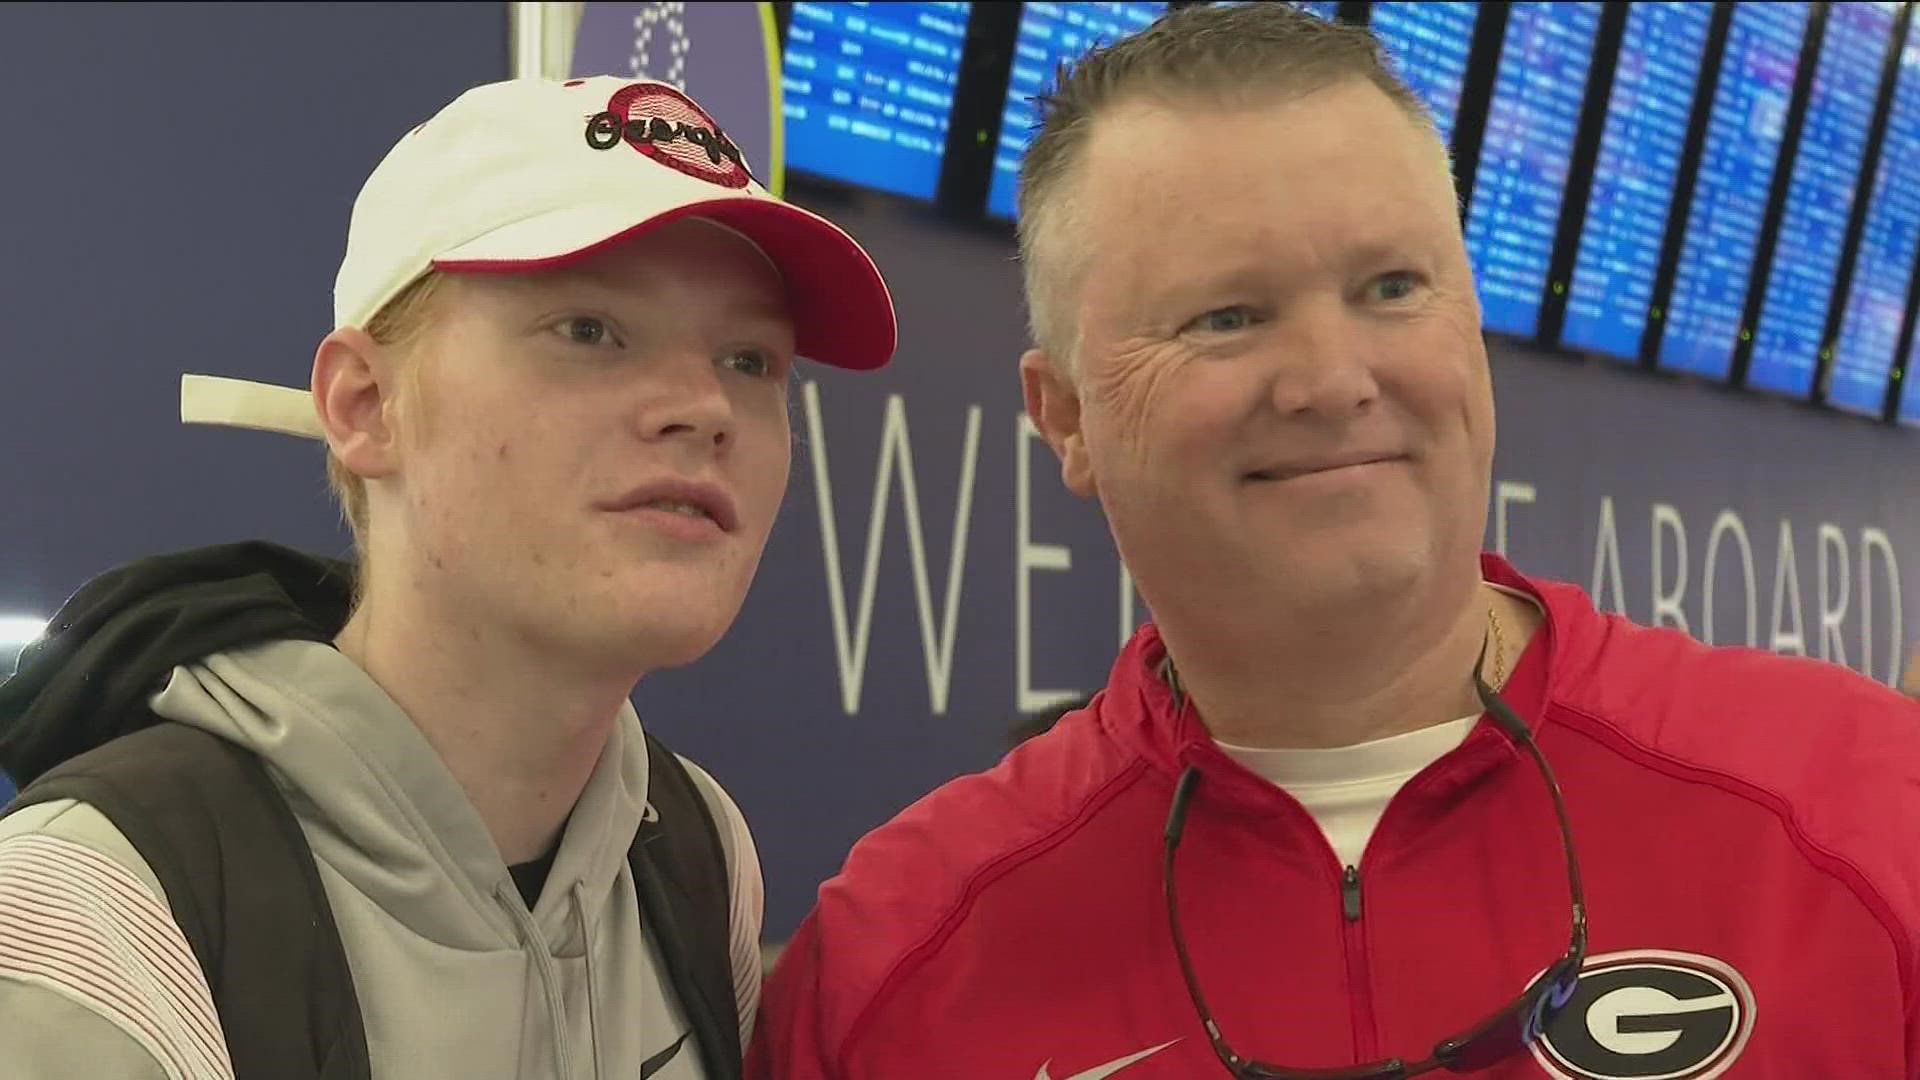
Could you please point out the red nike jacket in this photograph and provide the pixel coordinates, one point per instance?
(1747, 827)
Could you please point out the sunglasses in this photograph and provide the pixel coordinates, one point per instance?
(1502, 1035)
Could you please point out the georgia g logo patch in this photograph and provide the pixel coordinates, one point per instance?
(1649, 1015)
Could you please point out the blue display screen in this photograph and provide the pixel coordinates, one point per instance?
(1744, 131)
(869, 91)
(1909, 397)
(1611, 296)
(1429, 43)
(1883, 269)
(1813, 231)
(1049, 34)
(1531, 125)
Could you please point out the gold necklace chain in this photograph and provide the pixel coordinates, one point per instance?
(1499, 650)
(1172, 677)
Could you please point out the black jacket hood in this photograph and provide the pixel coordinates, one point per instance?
(114, 643)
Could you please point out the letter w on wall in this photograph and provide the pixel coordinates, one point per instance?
(850, 649)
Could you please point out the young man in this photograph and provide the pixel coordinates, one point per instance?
(556, 407)
(1311, 822)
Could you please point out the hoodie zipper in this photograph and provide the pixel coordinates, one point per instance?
(1360, 986)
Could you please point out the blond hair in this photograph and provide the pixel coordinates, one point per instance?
(400, 324)
(1235, 56)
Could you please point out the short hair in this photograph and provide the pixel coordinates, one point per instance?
(1236, 55)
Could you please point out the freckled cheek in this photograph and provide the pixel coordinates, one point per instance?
(491, 489)
(484, 494)
(764, 477)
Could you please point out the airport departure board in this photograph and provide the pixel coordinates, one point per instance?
(1790, 336)
(1429, 44)
(1883, 269)
(1909, 411)
(1744, 132)
(1534, 117)
(1655, 80)
(868, 91)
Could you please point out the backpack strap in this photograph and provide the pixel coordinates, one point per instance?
(244, 889)
(680, 868)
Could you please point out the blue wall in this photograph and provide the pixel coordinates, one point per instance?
(174, 197)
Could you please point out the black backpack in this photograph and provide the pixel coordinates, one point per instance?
(243, 887)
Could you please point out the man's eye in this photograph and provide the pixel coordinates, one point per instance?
(751, 362)
(1225, 320)
(585, 330)
(1397, 285)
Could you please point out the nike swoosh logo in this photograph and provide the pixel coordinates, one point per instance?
(1101, 1072)
(659, 1061)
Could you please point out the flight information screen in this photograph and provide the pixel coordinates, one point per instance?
(1833, 140)
(1531, 124)
(1611, 296)
(1049, 34)
(1429, 43)
(1747, 122)
(1883, 269)
(1909, 397)
(868, 91)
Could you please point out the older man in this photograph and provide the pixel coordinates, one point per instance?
(1313, 821)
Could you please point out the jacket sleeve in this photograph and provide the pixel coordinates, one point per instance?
(96, 979)
(45, 1035)
(1912, 1071)
(790, 1042)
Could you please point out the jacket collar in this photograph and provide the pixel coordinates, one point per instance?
(1141, 710)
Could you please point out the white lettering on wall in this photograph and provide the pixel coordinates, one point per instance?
(895, 447)
(1030, 557)
(1786, 596)
(1729, 524)
(1504, 492)
(1874, 540)
(1606, 560)
(1833, 609)
(1875, 582)
(1667, 610)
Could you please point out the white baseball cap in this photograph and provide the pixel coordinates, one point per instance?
(531, 174)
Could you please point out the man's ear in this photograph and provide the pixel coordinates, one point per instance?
(353, 394)
(1053, 404)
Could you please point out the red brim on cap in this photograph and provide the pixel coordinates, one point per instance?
(842, 310)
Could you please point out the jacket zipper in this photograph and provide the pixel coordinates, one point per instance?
(1360, 986)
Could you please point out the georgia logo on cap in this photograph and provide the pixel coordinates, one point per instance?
(668, 127)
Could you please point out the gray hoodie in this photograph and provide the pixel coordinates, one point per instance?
(455, 977)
